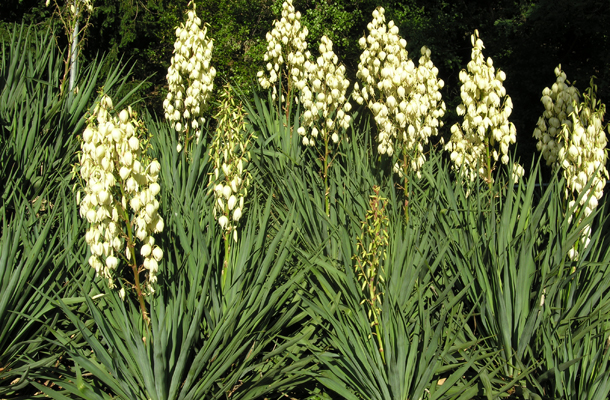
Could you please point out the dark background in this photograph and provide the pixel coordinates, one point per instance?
(526, 39)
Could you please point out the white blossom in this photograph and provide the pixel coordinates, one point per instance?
(190, 78)
(286, 44)
(327, 84)
(484, 136)
(405, 99)
(230, 154)
(571, 136)
(118, 189)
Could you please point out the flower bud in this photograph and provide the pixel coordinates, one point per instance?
(157, 253)
(159, 225)
(112, 262)
(124, 116)
(155, 188)
(231, 203)
(226, 192)
(134, 143)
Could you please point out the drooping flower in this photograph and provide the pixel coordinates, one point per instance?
(571, 136)
(558, 104)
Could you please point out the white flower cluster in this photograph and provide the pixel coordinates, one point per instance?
(424, 111)
(584, 156)
(571, 136)
(190, 78)
(485, 133)
(230, 154)
(323, 98)
(405, 100)
(286, 43)
(558, 104)
(118, 174)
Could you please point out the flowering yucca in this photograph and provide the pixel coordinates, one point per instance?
(571, 137)
(486, 132)
(286, 44)
(120, 193)
(584, 156)
(558, 104)
(230, 154)
(190, 78)
(323, 98)
(405, 99)
(326, 107)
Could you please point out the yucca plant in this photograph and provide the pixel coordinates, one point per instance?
(574, 339)
(512, 253)
(423, 340)
(41, 234)
(203, 342)
(353, 366)
(277, 133)
(38, 123)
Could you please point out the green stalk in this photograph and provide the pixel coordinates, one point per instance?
(573, 269)
(225, 264)
(378, 332)
(405, 184)
(488, 164)
(326, 188)
(186, 140)
(133, 264)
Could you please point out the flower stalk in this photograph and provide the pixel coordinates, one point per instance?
(405, 100)
(326, 109)
(571, 136)
(70, 16)
(230, 153)
(372, 245)
(286, 45)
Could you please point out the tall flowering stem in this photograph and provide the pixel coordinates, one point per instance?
(405, 100)
(326, 116)
(190, 78)
(230, 153)
(485, 134)
(286, 44)
(372, 246)
(571, 136)
(120, 204)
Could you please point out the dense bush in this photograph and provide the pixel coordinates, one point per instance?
(328, 291)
